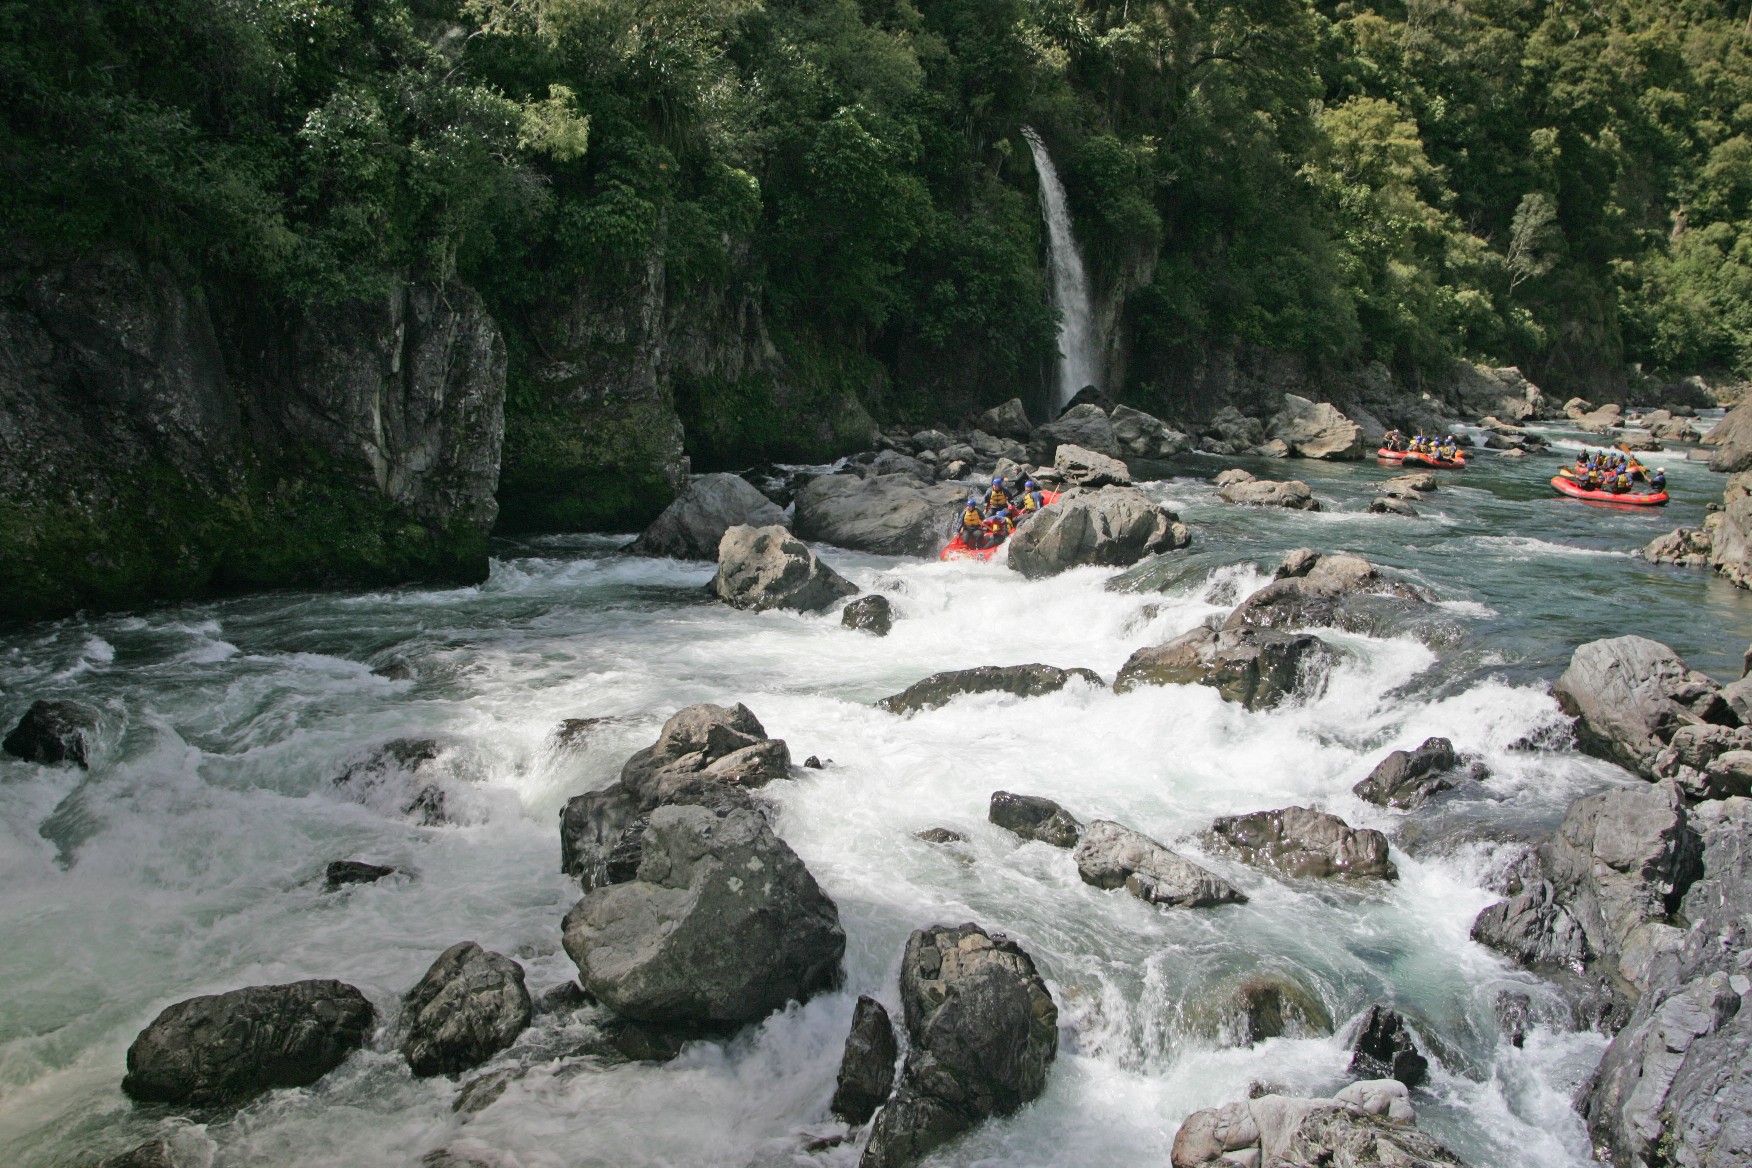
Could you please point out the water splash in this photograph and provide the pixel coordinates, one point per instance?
(1079, 357)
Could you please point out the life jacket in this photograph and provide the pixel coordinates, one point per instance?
(971, 517)
(997, 497)
(1030, 502)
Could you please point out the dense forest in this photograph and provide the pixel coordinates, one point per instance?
(1561, 184)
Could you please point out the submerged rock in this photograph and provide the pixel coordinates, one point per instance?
(1110, 855)
(1299, 841)
(984, 1033)
(1392, 506)
(866, 1074)
(1258, 668)
(1270, 1005)
(722, 925)
(1411, 778)
(221, 1049)
(692, 527)
(1034, 818)
(52, 732)
(343, 872)
(888, 515)
(767, 567)
(151, 1154)
(1024, 681)
(1384, 1049)
(1112, 527)
(872, 614)
(470, 1005)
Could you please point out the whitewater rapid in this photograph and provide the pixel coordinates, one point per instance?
(189, 860)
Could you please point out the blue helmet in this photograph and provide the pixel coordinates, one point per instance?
(1029, 485)
(973, 500)
(998, 481)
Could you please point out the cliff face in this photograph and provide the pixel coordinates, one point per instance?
(162, 440)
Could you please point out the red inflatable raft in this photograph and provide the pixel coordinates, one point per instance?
(1568, 486)
(958, 550)
(1412, 458)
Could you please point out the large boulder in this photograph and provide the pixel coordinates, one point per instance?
(866, 1074)
(1366, 1125)
(1629, 694)
(1384, 1049)
(1259, 668)
(984, 1033)
(889, 515)
(693, 525)
(1410, 778)
(1235, 430)
(1086, 468)
(722, 925)
(1299, 841)
(1603, 421)
(1254, 492)
(470, 1005)
(768, 567)
(1009, 420)
(1034, 817)
(1316, 430)
(872, 614)
(1024, 681)
(1730, 532)
(54, 732)
(1480, 391)
(1086, 425)
(221, 1049)
(1110, 855)
(1140, 435)
(1337, 590)
(1732, 439)
(1113, 527)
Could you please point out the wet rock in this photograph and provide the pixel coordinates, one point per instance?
(1514, 1015)
(1258, 668)
(767, 567)
(1009, 420)
(343, 872)
(1384, 1049)
(565, 998)
(1367, 1125)
(151, 1154)
(1316, 430)
(53, 732)
(889, 515)
(1086, 468)
(1113, 856)
(872, 614)
(1298, 841)
(470, 1005)
(221, 1049)
(814, 763)
(1085, 425)
(984, 1033)
(1034, 818)
(1253, 492)
(403, 776)
(722, 926)
(482, 1091)
(1534, 928)
(1319, 591)
(1630, 694)
(1140, 435)
(1392, 506)
(1271, 1005)
(576, 733)
(940, 835)
(1024, 681)
(1108, 527)
(1684, 547)
(1411, 778)
(591, 826)
(866, 1074)
(692, 526)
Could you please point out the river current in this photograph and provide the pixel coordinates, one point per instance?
(189, 859)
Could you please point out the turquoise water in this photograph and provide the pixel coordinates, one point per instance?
(189, 859)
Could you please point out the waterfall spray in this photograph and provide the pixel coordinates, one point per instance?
(1079, 363)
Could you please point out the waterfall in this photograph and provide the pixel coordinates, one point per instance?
(1079, 362)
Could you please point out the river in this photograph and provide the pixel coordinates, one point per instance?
(189, 859)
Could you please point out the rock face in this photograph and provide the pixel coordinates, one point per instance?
(1252, 492)
(1367, 1125)
(224, 1048)
(53, 732)
(866, 1074)
(722, 925)
(1313, 430)
(872, 614)
(469, 1006)
(1085, 425)
(767, 567)
(1384, 1049)
(1258, 668)
(1629, 694)
(1035, 818)
(1139, 435)
(1110, 527)
(1732, 439)
(984, 1033)
(1009, 420)
(889, 515)
(693, 525)
(1411, 778)
(1086, 468)
(1025, 681)
(1730, 532)
(1504, 393)
(1298, 841)
(1113, 856)
(160, 440)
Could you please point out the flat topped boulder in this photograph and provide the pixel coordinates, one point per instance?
(888, 515)
(1299, 841)
(1630, 694)
(984, 1034)
(1254, 492)
(1081, 467)
(1111, 855)
(222, 1049)
(1258, 668)
(722, 925)
(1024, 681)
(768, 567)
(1316, 430)
(692, 526)
(470, 1005)
(1112, 527)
